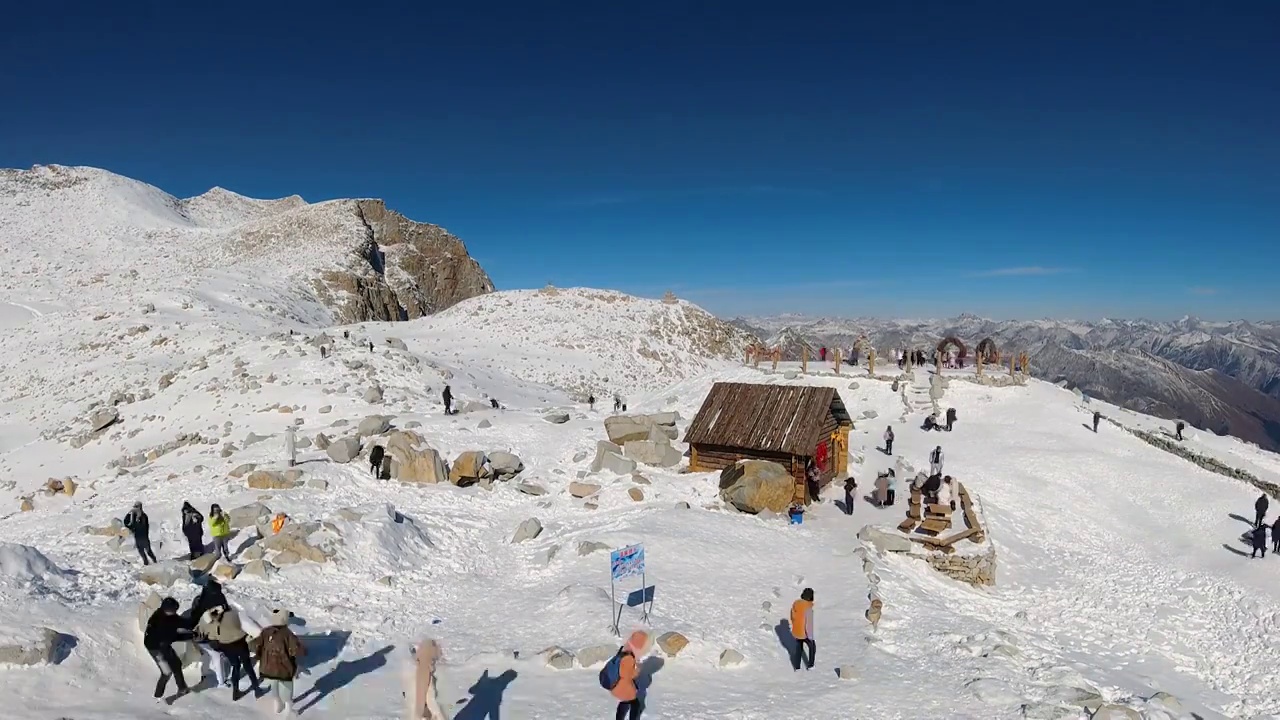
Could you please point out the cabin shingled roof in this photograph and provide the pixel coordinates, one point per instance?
(771, 418)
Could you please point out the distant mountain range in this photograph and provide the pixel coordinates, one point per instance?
(1219, 376)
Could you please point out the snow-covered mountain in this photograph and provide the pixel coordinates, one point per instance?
(1223, 377)
(77, 236)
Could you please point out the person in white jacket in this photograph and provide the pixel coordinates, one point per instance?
(946, 493)
(424, 704)
(935, 461)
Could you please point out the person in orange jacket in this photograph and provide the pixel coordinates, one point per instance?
(802, 631)
(630, 704)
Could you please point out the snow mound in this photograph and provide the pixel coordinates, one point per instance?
(384, 538)
(23, 562)
(584, 340)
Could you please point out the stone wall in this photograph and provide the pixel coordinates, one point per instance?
(977, 570)
(1203, 461)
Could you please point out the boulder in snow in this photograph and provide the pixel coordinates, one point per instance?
(344, 450)
(373, 425)
(847, 672)
(529, 488)
(165, 573)
(248, 515)
(636, 494)
(623, 429)
(657, 453)
(325, 409)
(528, 530)
(582, 490)
(1116, 712)
(505, 465)
(269, 480)
(24, 562)
(731, 658)
(586, 547)
(557, 658)
(34, 646)
(103, 418)
(373, 395)
(413, 460)
(755, 485)
(397, 343)
(596, 655)
(469, 468)
(322, 441)
(884, 540)
(672, 643)
(556, 417)
(205, 563)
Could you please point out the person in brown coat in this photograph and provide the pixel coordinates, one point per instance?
(278, 650)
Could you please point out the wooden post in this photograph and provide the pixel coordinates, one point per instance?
(804, 360)
(1026, 364)
(693, 459)
(1011, 363)
(979, 364)
(836, 357)
(777, 355)
(871, 363)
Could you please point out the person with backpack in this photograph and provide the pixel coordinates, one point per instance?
(1259, 534)
(888, 440)
(619, 676)
(220, 529)
(935, 461)
(137, 522)
(193, 530)
(1260, 507)
(951, 418)
(1097, 415)
(447, 397)
(850, 487)
(221, 628)
(164, 628)
(375, 459)
(802, 631)
(278, 650)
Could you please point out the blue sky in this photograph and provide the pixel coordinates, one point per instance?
(1014, 159)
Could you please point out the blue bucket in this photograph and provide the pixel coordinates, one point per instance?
(797, 517)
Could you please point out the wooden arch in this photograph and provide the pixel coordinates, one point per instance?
(987, 350)
(961, 350)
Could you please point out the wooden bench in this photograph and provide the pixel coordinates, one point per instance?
(908, 525)
(940, 510)
(945, 542)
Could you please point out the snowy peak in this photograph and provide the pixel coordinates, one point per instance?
(221, 208)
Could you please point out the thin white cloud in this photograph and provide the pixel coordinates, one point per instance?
(1203, 290)
(1023, 271)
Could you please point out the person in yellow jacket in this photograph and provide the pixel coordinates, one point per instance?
(802, 631)
(220, 529)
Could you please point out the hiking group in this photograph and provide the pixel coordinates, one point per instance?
(139, 525)
(1258, 535)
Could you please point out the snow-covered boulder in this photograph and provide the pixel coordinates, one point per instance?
(623, 429)
(847, 672)
(672, 643)
(248, 515)
(373, 395)
(582, 490)
(322, 441)
(756, 485)
(731, 658)
(596, 655)
(1116, 712)
(23, 562)
(344, 450)
(373, 425)
(103, 418)
(556, 417)
(884, 540)
(413, 460)
(587, 547)
(164, 574)
(657, 453)
(529, 488)
(397, 343)
(528, 530)
(270, 480)
(557, 658)
(33, 646)
(505, 465)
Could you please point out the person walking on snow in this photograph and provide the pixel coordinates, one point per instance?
(1178, 429)
(802, 631)
(164, 628)
(221, 627)
(888, 440)
(1096, 417)
(1260, 507)
(138, 524)
(850, 487)
(591, 401)
(935, 461)
(951, 418)
(220, 529)
(1275, 536)
(375, 459)
(447, 397)
(291, 445)
(1259, 541)
(193, 530)
(278, 650)
(617, 403)
(426, 704)
(630, 704)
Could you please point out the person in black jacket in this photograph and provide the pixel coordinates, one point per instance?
(1096, 417)
(211, 596)
(447, 396)
(850, 488)
(1275, 536)
(951, 418)
(164, 628)
(1178, 429)
(140, 526)
(1259, 541)
(193, 529)
(1260, 507)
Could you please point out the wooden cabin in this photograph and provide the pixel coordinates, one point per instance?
(787, 424)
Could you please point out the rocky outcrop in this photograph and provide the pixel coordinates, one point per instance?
(413, 460)
(753, 486)
(657, 453)
(470, 468)
(505, 465)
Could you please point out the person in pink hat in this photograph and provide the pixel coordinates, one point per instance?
(630, 705)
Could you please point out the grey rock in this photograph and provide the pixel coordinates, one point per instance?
(626, 428)
(242, 470)
(322, 441)
(790, 375)
(596, 655)
(731, 658)
(603, 447)
(1165, 701)
(304, 442)
(853, 385)
(582, 455)
(373, 395)
(586, 547)
(103, 418)
(558, 658)
(254, 438)
(654, 453)
(682, 505)
(847, 672)
(248, 515)
(325, 409)
(397, 343)
(373, 425)
(557, 417)
(34, 646)
(259, 568)
(412, 424)
(1116, 712)
(756, 485)
(318, 484)
(870, 414)
(529, 488)
(483, 424)
(505, 465)
(344, 450)
(639, 479)
(528, 530)
(582, 490)
(164, 574)
(1040, 711)
(615, 463)
(287, 557)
